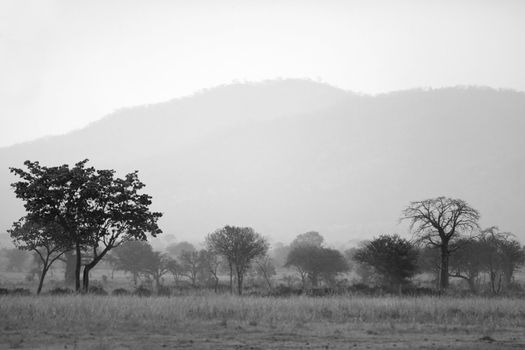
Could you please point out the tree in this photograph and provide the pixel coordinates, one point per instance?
(313, 262)
(47, 242)
(175, 249)
(95, 210)
(501, 256)
(239, 246)
(156, 265)
(393, 259)
(131, 256)
(265, 268)
(211, 262)
(190, 265)
(311, 238)
(438, 222)
(467, 262)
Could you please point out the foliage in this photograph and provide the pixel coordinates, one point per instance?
(175, 249)
(313, 262)
(95, 210)
(132, 257)
(392, 258)
(239, 246)
(310, 238)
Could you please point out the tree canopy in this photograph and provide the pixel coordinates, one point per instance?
(95, 210)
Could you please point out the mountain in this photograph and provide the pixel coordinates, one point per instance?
(288, 156)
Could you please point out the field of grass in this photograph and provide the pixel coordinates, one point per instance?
(227, 322)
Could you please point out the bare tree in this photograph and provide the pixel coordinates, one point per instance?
(437, 222)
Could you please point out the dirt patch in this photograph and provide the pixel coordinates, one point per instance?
(248, 336)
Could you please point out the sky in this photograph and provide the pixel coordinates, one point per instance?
(66, 63)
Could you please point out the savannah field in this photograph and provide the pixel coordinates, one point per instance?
(210, 321)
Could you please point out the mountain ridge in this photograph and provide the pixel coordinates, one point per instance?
(341, 163)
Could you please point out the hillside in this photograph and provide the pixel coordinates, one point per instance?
(290, 156)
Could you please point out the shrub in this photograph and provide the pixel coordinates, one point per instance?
(142, 291)
(4, 291)
(164, 291)
(21, 291)
(120, 292)
(60, 291)
(97, 290)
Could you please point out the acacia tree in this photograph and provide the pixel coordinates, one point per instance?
(500, 255)
(438, 222)
(467, 262)
(47, 242)
(95, 210)
(393, 259)
(313, 262)
(240, 246)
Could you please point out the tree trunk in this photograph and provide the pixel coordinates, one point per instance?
(231, 277)
(240, 276)
(85, 278)
(78, 267)
(444, 266)
(69, 275)
(42, 276)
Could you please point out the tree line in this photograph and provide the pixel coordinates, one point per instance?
(83, 215)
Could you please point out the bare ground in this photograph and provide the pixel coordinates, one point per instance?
(231, 335)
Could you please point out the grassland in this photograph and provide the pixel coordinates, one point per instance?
(227, 322)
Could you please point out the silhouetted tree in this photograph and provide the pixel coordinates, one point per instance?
(392, 258)
(190, 265)
(47, 242)
(95, 210)
(501, 256)
(156, 265)
(467, 261)
(439, 221)
(240, 246)
(265, 268)
(313, 261)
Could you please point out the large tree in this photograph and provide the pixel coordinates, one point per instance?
(392, 258)
(438, 222)
(95, 210)
(239, 246)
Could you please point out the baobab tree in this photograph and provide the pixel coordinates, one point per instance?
(439, 221)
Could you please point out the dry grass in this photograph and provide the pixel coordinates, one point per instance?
(116, 312)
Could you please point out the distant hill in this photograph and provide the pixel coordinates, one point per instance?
(288, 156)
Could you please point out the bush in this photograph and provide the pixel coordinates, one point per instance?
(21, 291)
(60, 291)
(4, 291)
(96, 290)
(282, 290)
(120, 292)
(164, 291)
(142, 292)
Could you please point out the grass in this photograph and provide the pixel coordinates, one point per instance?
(116, 312)
(227, 322)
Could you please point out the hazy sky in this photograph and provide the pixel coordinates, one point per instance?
(66, 63)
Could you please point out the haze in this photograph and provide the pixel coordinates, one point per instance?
(64, 64)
